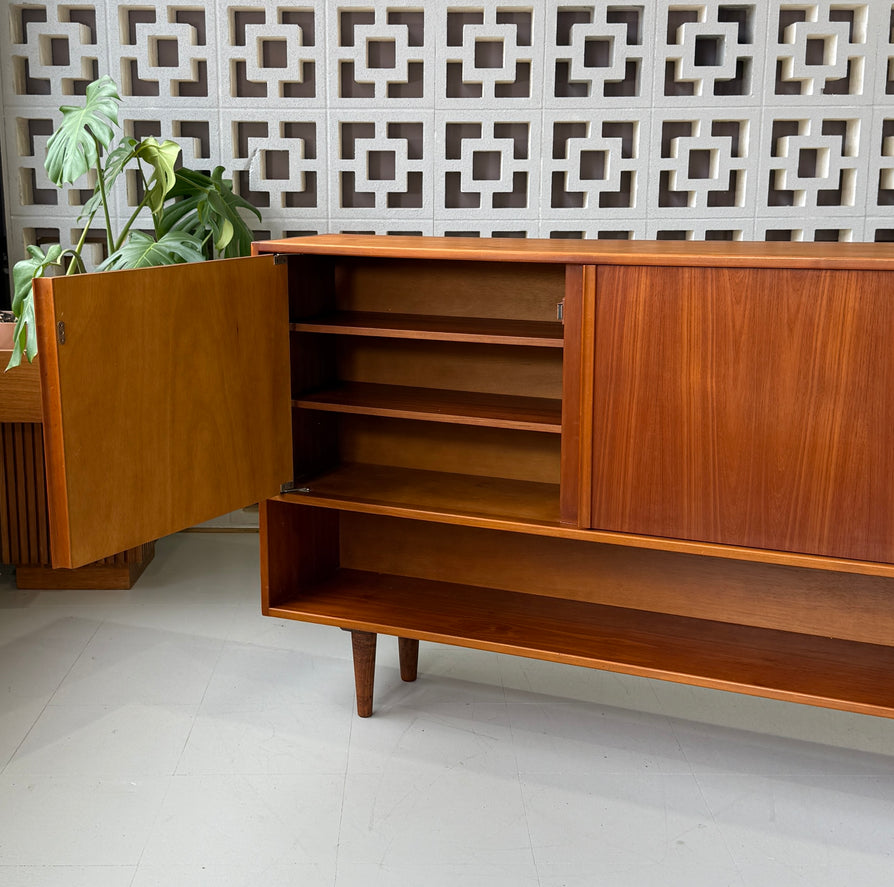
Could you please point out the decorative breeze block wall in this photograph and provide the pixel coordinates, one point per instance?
(771, 119)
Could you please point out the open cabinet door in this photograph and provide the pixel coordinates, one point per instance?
(165, 398)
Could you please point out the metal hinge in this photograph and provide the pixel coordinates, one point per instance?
(290, 487)
(60, 332)
(280, 258)
(560, 311)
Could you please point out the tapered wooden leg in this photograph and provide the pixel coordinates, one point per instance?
(363, 644)
(408, 650)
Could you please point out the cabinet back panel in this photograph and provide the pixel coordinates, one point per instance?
(313, 362)
(459, 449)
(469, 289)
(494, 369)
(768, 596)
(311, 286)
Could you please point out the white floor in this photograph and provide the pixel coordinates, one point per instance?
(172, 736)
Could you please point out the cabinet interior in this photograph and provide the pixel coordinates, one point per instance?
(435, 376)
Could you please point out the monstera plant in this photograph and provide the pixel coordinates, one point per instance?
(193, 215)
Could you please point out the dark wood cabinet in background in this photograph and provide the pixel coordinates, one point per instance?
(688, 476)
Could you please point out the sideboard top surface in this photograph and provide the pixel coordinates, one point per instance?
(751, 254)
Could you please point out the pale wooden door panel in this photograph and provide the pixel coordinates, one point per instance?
(167, 402)
(750, 407)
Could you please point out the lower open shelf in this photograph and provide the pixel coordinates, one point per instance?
(834, 673)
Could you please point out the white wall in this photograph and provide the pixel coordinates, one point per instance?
(769, 119)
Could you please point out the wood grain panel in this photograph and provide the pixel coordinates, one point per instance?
(463, 289)
(168, 402)
(747, 407)
(494, 369)
(19, 387)
(457, 449)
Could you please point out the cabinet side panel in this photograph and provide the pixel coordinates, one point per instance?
(299, 548)
(747, 407)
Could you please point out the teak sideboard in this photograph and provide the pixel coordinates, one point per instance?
(667, 459)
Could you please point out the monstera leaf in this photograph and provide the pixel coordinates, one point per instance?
(161, 157)
(25, 332)
(193, 214)
(142, 251)
(207, 204)
(74, 147)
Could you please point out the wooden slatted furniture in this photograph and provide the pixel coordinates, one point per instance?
(690, 476)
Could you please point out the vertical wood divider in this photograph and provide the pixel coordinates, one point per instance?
(287, 568)
(577, 396)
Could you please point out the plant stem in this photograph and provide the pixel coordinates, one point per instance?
(126, 229)
(76, 262)
(102, 190)
(140, 207)
(76, 252)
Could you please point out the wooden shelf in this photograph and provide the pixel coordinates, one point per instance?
(784, 665)
(381, 489)
(436, 405)
(492, 331)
